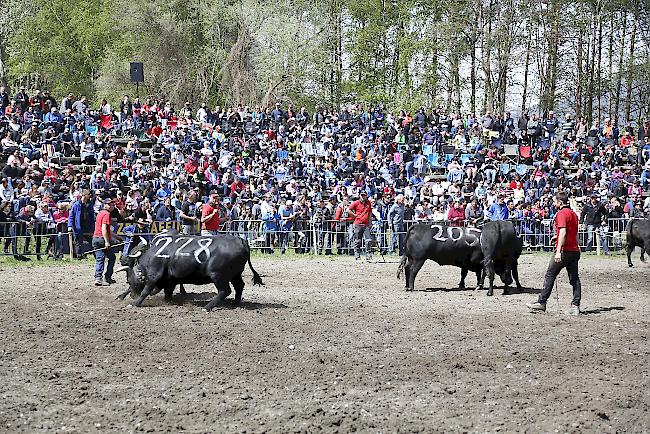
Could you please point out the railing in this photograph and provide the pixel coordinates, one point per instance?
(300, 236)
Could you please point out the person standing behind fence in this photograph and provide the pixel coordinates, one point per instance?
(567, 255)
(397, 226)
(498, 210)
(342, 220)
(81, 222)
(102, 238)
(361, 210)
(20, 229)
(210, 218)
(188, 214)
(594, 215)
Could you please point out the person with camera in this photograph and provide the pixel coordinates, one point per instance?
(594, 215)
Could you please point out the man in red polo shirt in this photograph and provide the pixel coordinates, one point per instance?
(361, 211)
(102, 238)
(567, 255)
(210, 219)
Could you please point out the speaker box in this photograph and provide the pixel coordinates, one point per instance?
(137, 72)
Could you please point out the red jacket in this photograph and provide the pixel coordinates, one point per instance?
(456, 216)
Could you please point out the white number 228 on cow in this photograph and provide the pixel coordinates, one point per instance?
(201, 253)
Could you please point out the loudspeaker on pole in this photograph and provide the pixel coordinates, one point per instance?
(137, 72)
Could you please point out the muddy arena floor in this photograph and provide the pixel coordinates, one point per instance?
(327, 345)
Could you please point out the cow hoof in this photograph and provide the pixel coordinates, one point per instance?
(478, 288)
(129, 306)
(206, 310)
(490, 293)
(461, 287)
(630, 265)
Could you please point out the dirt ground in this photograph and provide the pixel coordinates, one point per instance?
(327, 345)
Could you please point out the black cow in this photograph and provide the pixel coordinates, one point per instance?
(172, 259)
(638, 235)
(492, 249)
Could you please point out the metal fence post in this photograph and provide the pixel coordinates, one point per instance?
(70, 245)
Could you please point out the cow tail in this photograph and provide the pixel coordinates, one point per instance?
(257, 280)
(400, 269)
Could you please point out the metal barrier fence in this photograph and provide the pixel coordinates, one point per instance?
(304, 236)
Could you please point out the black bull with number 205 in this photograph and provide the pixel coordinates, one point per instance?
(172, 259)
(495, 248)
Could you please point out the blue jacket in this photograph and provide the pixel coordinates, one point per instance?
(82, 218)
(497, 212)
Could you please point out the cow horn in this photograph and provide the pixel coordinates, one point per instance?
(121, 269)
(136, 254)
(144, 241)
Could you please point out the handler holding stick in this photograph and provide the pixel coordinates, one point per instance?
(102, 238)
(567, 255)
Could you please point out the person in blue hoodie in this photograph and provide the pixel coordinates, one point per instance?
(81, 223)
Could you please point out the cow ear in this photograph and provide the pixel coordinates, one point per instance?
(136, 254)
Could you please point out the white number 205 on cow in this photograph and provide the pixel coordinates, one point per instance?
(471, 236)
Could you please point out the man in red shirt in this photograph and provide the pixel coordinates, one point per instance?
(567, 255)
(102, 238)
(210, 219)
(361, 211)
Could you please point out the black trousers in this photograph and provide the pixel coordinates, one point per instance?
(570, 262)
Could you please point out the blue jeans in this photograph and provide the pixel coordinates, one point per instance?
(130, 231)
(100, 259)
(490, 176)
(398, 239)
(602, 233)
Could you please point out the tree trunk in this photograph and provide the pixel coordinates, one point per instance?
(591, 49)
(610, 73)
(3, 58)
(524, 93)
(472, 77)
(619, 74)
(599, 83)
(579, 76)
(486, 54)
(630, 67)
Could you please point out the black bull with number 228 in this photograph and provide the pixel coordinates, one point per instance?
(172, 259)
(495, 248)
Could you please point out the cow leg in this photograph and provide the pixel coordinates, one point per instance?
(145, 292)
(123, 295)
(629, 249)
(515, 275)
(479, 277)
(508, 279)
(489, 270)
(182, 290)
(169, 292)
(238, 284)
(223, 288)
(413, 272)
(645, 243)
(463, 275)
(407, 273)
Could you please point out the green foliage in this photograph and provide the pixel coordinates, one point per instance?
(63, 42)
(407, 53)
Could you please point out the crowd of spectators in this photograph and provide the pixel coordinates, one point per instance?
(286, 176)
